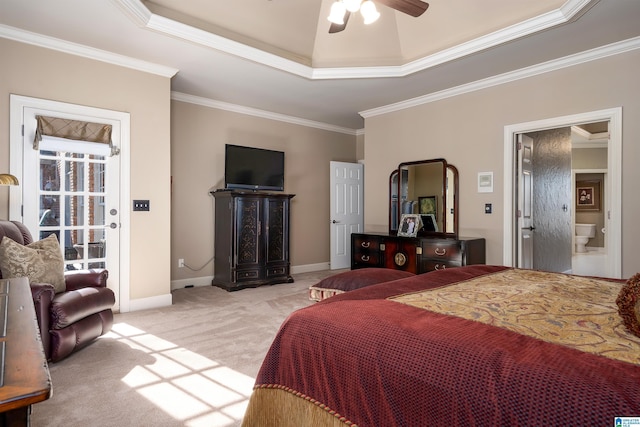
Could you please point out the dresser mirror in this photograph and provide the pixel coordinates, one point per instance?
(428, 188)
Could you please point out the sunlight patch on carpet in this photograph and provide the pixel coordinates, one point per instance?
(187, 386)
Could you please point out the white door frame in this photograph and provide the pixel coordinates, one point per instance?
(614, 187)
(524, 220)
(17, 104)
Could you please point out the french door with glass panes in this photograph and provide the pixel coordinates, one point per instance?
(71, 205)
(72, 189)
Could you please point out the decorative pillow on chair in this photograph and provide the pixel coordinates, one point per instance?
(629, 304)
(40, 261)
(353, 279)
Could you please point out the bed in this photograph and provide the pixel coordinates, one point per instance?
(469, 346)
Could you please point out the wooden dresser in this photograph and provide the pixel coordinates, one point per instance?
(25, 378)
(414, 254)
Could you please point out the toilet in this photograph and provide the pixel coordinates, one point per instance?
(584, 232)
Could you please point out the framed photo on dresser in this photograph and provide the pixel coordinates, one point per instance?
(409, 225)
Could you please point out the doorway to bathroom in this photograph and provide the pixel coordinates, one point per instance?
(589, 183)
(542, 234)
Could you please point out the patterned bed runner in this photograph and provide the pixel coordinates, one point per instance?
(573, 311)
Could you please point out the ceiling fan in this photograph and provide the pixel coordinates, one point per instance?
(344, 8)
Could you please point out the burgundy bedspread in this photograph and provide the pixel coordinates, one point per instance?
(380, 363)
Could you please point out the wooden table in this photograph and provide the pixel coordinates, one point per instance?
(24, 376)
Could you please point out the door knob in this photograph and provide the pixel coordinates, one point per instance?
(113, 225)
(334, 221)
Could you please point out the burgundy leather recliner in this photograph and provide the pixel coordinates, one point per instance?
(71, 319)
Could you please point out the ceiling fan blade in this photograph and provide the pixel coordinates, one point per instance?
(336, 28)
(410, 7)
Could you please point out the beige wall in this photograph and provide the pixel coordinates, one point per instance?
(41, 73)
(360, 147)
(468, 130)
(198, 135)
(589, 158)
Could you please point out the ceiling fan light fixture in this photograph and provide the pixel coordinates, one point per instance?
(336, 15)
(352, 5)
(369, 12)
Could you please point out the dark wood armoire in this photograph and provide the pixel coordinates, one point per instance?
(251, 239)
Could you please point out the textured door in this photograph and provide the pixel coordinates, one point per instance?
(552, 195)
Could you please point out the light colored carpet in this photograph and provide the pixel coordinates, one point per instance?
(191, 364)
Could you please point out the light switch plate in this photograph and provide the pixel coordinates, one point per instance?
(140, 205)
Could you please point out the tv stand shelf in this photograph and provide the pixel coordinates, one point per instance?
(251, 239)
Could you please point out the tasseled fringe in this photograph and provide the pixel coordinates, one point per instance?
(274, 406)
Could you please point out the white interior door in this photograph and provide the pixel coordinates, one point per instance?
(525, 202)
(71, 189)
(347, 206)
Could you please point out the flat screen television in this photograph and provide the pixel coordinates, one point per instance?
(255, 169)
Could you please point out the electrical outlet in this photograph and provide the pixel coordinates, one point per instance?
(180, 263)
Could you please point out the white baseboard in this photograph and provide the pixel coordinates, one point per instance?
(193, 282)
(206, 280)
(151, 302)
(308, 268)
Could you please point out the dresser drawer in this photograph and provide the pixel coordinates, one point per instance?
(366, 250)
(245, 275)
(442, 250)
(434, 264)
(366, 243)
(277, 271)
(366, 258)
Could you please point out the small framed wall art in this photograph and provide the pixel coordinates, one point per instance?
(485, 182)
(588, 195)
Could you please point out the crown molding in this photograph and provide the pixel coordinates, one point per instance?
(584, 139)
(523, 73)
(531, 26)
(39, 40)
(143, 17)
(211, 103)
